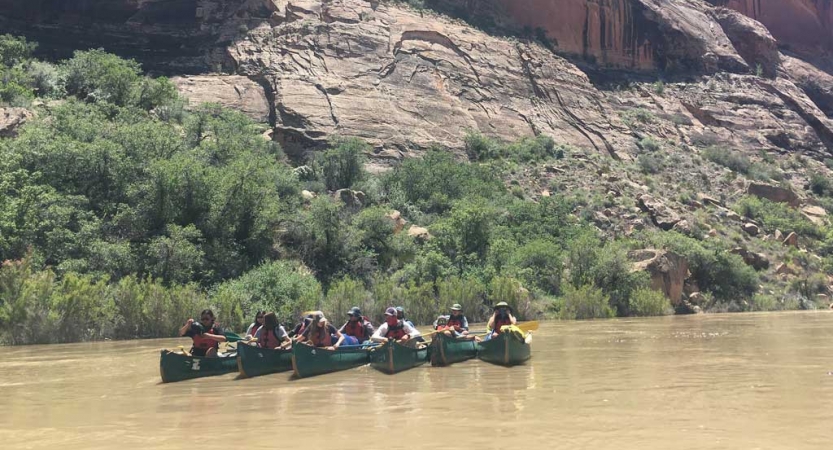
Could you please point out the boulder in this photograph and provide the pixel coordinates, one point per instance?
(751, 229)
(773, 193)
(758, 261)
(684, 227)
(349, 197)
(419, 233)
(668, 271)
(662, 216)
(784, 269)
(307, 195)
(791, 240)
(11, 119)
(398, 221)
(815, 214)
(778, 236)
(707, 200)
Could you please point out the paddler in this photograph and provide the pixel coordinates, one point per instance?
(357, 329)
(394, 329)
(252, 330)
(501, 317)
(320, 333)
(205, 334)
(456, 325)
(271, 334)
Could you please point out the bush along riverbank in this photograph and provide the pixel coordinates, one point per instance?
(123, 212)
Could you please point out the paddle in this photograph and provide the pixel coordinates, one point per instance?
(232, 337)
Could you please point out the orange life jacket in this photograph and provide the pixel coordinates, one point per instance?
(396, 332)
(205, 343)
(269, 339)
(456, 322)
(357, 329)
(322, 338)
(501, 321)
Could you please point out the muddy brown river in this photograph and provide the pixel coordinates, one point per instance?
(741, 381)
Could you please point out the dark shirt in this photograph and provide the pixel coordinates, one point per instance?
(199, 329)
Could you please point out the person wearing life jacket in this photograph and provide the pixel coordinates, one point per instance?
(250, 332)
(458, 325)
(501, 317)
(320, 333)
(271, 334)
(395, 329)
(400, 314)
(441, 324)
(357, 329)
(205, 334)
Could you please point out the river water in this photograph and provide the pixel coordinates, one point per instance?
(751, 381)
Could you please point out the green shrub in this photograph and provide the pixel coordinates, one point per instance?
(820, 184)
(510, 290)
(650, 144)
(470, 293)
(45, 79)
(284, 287)
(735, 161)
(539, 264)
(101, 76)
(651, 164)
(15, 50)
(343, 165)
(344, 294)
(585, 302)
(659, 87)
(648, 302)
(776, 216)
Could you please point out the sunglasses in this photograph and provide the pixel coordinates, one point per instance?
(259, 317)
(205, 319)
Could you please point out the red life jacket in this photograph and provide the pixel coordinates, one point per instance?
(322, 338)
(501, 321)
(357, 329)
(397, 332)
(205, 343)
(454, 322)
(255, 328)
(269, 339)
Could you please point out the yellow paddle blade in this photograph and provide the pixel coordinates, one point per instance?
(528, 326)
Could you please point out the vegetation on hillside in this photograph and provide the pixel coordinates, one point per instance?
(121, 214)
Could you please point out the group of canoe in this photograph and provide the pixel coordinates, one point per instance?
(395, 346)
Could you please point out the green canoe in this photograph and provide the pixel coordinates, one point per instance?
(178, 367)
(308, 360)
(448, 350)
(255, 361)
(393, 357)
(506, 350)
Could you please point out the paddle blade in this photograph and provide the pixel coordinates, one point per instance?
(232, 337)
(528, 326)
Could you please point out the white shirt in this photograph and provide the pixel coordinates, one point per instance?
(383, 330)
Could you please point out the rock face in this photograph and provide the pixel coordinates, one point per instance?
(751, 40)
(233, 91)
(633, 34)
(170, 35)
(403, 82)
(668, 271)
(804, 27)
(11, 119)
